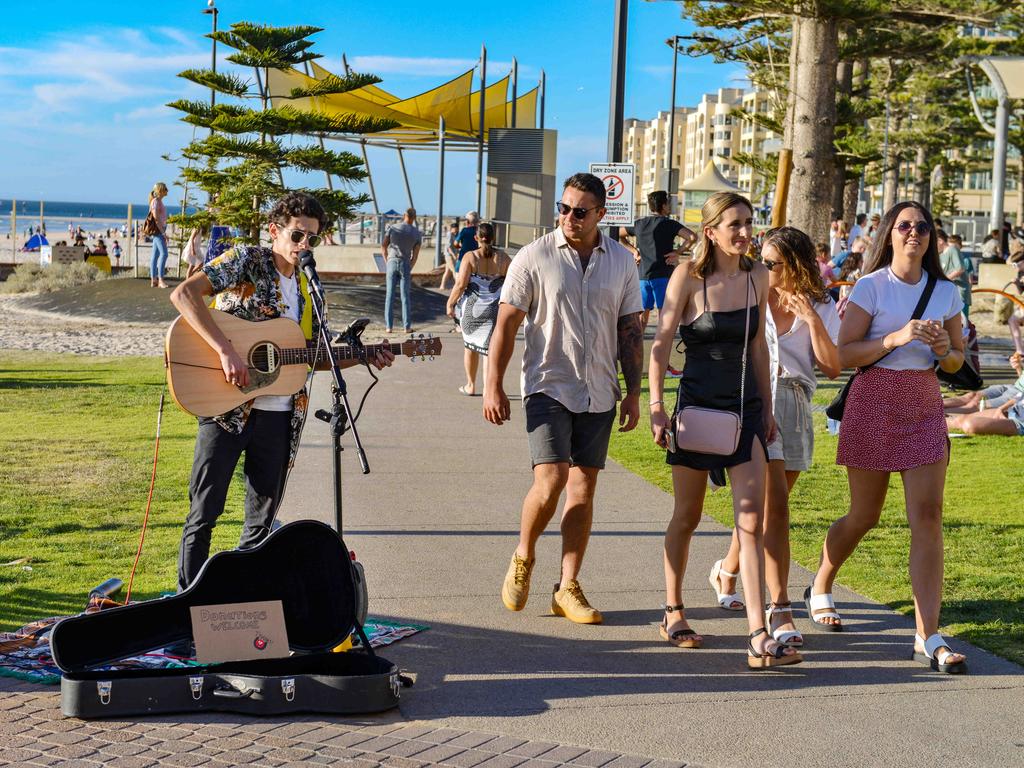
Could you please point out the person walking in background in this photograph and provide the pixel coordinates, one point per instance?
(401, 248)
(655, 249)
(839, 241)
(466, 239)
(192, 252)
(478, 288)
(952, 263)
(903, 316)
(115, 251)
(448, 250)
(821, 253)
(718, 304)
(158, 259)
(860, 227)
(801, 331)
(579, 293)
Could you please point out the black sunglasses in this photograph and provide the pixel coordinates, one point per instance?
(298, 235)
(770, 264)
(922, 227)
(578, 213)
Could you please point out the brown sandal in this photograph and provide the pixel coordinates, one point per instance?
(766, 658)
(681, 638)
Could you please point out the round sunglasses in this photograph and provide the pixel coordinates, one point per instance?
(922, 227)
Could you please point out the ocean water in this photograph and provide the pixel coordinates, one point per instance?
(58, 213)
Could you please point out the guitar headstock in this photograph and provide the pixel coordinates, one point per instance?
(422, 347)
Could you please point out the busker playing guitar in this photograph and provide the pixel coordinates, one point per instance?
(252, 283)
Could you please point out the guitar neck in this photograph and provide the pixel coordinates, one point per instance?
(317, 358)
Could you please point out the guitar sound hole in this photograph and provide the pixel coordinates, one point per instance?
(264, 357)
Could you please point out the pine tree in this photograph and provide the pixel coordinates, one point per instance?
(813, 50)
(240, 164)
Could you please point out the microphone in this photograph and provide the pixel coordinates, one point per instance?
(308, 266)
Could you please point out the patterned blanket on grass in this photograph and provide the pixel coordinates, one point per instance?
(25, 653)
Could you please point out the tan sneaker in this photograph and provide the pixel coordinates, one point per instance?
(571, 603)
(516, 588)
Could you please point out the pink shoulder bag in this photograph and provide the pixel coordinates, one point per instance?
(710, 430)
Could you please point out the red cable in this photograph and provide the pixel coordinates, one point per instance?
(149, 501)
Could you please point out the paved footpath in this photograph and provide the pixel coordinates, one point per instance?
(435, 524)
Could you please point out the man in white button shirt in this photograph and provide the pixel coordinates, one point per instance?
(579, 293)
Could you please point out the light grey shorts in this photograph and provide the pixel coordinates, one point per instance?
(794, 433)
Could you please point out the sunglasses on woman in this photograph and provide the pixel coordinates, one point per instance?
(298, 235)
(770, 264)
(922, 227)
(577, 213)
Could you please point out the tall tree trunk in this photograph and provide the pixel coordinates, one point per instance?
(922, 183)
(891, 177)
(781, 203)
(844, 89)
(851, 192)
(813, 125)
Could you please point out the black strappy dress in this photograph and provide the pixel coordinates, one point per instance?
(711, 379)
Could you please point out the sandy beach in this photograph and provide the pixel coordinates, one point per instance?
(39, 331)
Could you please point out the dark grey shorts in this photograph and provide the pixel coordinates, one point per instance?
(559, 435)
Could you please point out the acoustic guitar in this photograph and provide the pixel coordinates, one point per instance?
(277, 354)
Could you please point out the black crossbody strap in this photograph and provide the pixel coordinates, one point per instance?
(922, 305)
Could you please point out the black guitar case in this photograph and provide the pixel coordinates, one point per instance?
(306, 566)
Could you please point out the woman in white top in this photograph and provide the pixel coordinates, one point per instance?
(893, 420)
(801, 331)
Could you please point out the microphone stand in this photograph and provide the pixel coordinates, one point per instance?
(340, 415)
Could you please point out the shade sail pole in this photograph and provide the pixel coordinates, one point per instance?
(480, 143)
(439, 254)
(405, 176)
(515, 90)
(366, 157)
(543, 88)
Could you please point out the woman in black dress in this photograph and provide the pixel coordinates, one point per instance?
(710, 300)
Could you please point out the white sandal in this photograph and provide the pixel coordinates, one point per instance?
(822, 607)
(790, 637)
(936, 651)
(725, 601)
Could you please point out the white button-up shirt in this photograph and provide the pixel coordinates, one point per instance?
(572, 318)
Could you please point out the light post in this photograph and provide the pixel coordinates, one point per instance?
(211, 8)
(671, 183)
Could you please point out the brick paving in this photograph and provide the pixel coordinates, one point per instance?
(34, 733)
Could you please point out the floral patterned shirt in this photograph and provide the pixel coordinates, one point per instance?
(245, 281)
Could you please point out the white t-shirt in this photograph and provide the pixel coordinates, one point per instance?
(891, 302)
(290, 294)
(792, 354)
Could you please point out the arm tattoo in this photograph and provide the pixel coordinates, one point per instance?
(631, 351)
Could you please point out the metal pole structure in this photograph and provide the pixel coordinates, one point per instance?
(405, 176)
(14, 231)
(617, 107)
(366, 162)
(543, 88)
(212, 10)
(439, 254)
(515, 91)
(672, 187)
(1002, 127)
(480, 142)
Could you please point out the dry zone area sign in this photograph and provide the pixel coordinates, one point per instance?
(618, 191)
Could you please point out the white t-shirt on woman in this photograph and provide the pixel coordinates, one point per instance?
(891, 302)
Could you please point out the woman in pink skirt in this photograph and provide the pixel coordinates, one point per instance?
(893, 420)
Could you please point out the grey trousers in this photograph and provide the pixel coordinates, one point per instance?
(265, 442)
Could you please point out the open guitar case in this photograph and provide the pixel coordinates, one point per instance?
(306, 566)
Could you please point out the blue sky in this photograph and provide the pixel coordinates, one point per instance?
(84, 84)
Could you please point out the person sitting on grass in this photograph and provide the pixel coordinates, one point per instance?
(996, 410)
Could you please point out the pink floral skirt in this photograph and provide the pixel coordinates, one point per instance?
(893, 421)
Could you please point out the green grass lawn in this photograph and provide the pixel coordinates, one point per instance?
(983, 520)
(77, 437)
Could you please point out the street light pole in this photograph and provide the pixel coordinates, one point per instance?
(211, 8)
(618, 89)
(672, 186)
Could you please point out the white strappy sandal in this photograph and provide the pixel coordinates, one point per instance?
(728, 602)
(822, 607)
(790, 637)
(936, 651)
